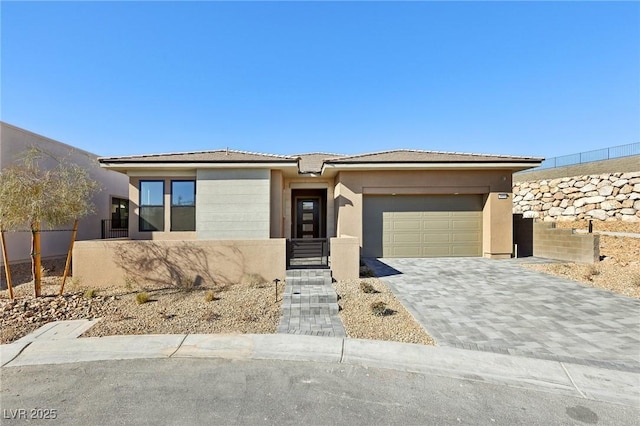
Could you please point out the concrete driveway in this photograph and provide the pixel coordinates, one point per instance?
(499, 306)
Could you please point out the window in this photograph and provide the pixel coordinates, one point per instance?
(151, 205)
(183, 205)
(119, 213)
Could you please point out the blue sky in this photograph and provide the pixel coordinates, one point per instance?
(122, 78)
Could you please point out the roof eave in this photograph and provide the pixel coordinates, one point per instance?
(471, 165)
(128, 165)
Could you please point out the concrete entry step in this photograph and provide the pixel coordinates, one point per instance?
(309, 276)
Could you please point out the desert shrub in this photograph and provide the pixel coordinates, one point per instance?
(367, 288)
(91, 293)
(187, 284)
(366, 272)
(592, 271)
(379, 309)
(210, 296)
(142, 298)
(254, 280)
(211, 316)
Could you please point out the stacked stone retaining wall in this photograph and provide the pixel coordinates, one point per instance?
(607, 197)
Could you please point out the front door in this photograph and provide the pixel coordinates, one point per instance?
(307, 218)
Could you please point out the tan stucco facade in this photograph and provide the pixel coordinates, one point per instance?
(497, 228)
(345, 200)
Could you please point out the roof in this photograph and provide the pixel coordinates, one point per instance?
(216, 156)
(418, 156)
(312, 162)
(316, 162)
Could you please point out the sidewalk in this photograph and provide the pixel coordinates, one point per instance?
(52, 347)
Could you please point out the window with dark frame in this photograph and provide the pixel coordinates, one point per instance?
(151, 205)
(119, 213)
(183, 205)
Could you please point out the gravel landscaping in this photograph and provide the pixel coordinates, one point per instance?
(619, 270)
(394, 323)
(240, 308)
(252, 308)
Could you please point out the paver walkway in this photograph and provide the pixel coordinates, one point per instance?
(498, 306)
(310, 304)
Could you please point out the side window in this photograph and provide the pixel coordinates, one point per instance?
(183, 205)
(151, 205)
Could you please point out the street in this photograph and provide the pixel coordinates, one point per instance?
(251, 392)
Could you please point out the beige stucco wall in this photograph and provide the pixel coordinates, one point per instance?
(345, 258)
(497, 225)
(277, 203)
(13, 141)
(166, 263)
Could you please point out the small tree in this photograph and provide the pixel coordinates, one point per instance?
(32, 195)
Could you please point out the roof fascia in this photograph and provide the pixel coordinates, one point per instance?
(516, 165)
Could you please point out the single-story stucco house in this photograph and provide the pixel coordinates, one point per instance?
(398, 203)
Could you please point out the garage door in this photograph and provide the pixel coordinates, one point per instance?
(422, 226)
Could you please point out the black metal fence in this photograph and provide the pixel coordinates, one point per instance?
(115, 228)
(590, 156)
(308, 253)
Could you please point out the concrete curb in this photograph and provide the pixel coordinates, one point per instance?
(570, 379)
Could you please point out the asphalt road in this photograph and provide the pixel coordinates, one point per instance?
(181, 391)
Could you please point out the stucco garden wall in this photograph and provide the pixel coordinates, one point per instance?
(168, 263)
(608, 196)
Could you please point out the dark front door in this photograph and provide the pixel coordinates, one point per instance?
(308, 218)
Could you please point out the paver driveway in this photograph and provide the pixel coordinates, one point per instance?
(499, 306)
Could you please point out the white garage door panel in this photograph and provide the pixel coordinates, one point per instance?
(422, 226)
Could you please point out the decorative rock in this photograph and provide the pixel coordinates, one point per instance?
(555, 211)
(597, 214)
(605, 190)
(610, 205)
(630, 175)
(594, 200)
(570, 190)
(628, 218)
(626, 189)
(609, 196)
